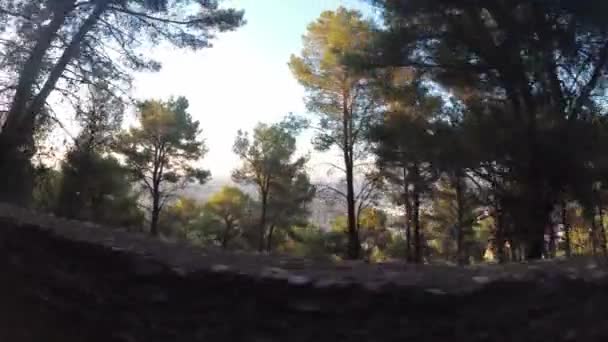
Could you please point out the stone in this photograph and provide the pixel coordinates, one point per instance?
(180, 271)
(437, 292)
(326, 283)
(298, 280)
(481, 280)
(599, 275)
(274, 273)
(591, 266)
(220, 268)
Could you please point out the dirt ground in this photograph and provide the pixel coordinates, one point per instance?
(56, 288)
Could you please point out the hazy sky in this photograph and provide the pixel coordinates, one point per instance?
(244, 79)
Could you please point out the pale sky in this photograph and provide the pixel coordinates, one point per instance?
(244, 78)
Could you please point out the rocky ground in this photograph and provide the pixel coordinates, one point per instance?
(72, 281)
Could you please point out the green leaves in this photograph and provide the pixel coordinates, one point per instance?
(264, 155)
(161, 152)
(97, 188)
(268, 163)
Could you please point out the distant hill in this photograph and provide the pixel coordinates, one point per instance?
(203, 192)
(321, 213)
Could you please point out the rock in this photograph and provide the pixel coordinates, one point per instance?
(220, 268)
(274, 273)
(481, 280)
(180, 271)
(599, 275)
(591, 266)
(298, 280)
(437, 292)
(326, 283)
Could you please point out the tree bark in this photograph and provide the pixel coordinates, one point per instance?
(155, 213)
(567, 246)
(408, 216)
(593, 233)
(602, 228)
(33, 65)
(269, 241)
(71, 51)
(416, 216)
(262, 227)
(552, 238)
(535, 247)
(17, 136)
(226, 234)
(354, 245)
(499, 238)
(16, 182)
(460, 252)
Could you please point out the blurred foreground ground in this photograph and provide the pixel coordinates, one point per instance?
(69, 281)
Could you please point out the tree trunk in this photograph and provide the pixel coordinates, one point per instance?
(552, 239)
(602, 231)
(499, 224)
(262, 228)
(30, 72)
(416, 218)
(567, 246)
(226, 234)
(354, 245)
(269, 241)
(535, 247)
(71, 51)
(17, 136)
(593, 233)
(460, 252)
(155, 213)
(408, 232)
(408, 216)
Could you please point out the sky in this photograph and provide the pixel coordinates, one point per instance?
(244, 78)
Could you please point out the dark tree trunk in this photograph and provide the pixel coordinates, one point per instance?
(499, 239)
(354, 245)
(460, 251)
(593, 233)
(17, 136)
(71, 52)
(602, 230)
(31, 70)
(499, 234)
(533, 182)
(552, 239)
(535, 247)
(262, 228)
(416, 218)
(269, 241)
(155, 213)
(567, 243)
(408, 216)
(226, 234)
(408, 232)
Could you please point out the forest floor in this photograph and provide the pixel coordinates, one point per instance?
(73, 281)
